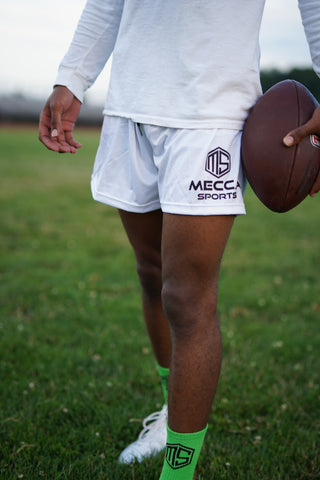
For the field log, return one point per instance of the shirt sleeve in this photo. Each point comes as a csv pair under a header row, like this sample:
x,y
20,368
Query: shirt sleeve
x,y
91,46
310,14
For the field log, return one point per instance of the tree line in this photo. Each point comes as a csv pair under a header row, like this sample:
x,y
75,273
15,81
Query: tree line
x,y
306,76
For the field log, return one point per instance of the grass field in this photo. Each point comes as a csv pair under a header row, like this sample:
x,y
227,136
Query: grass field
x,y
76,367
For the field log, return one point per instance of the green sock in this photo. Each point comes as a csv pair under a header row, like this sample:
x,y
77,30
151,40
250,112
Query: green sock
x,y
182,453
164,377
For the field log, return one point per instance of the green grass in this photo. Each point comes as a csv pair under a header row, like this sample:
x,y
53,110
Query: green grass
x,y
76,367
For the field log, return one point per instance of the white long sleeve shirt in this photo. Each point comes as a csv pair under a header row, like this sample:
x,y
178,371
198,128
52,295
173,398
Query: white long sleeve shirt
x,y
176,63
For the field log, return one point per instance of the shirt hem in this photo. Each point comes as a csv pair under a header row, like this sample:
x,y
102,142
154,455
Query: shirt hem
x,y
176,122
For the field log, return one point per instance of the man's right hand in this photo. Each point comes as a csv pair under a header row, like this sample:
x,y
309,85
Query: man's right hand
x,y
57,120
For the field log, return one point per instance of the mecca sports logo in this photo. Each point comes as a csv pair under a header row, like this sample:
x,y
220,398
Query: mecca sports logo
x,y
178,456
218,162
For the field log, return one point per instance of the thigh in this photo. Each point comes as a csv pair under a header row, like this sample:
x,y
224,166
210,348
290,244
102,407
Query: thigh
x,y
192,248
144,231
187,249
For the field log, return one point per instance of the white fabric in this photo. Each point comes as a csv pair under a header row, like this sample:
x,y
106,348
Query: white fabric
x,y
182,171
181,63
310,13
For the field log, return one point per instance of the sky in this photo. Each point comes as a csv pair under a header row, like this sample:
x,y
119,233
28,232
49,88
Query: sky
x,y
35,34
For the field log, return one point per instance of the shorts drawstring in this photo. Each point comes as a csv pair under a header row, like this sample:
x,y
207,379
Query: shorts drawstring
x,y
139,126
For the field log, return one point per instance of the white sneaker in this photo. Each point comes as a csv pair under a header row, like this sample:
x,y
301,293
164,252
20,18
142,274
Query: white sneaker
x,y
151,440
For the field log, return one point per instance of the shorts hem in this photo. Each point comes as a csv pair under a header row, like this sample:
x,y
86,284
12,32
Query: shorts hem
x,y
122,205
204,210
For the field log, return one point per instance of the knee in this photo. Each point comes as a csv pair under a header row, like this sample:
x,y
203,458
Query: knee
x,y
190,309
150,279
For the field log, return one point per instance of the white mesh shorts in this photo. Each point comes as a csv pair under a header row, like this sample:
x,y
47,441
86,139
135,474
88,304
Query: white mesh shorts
x,y
140,168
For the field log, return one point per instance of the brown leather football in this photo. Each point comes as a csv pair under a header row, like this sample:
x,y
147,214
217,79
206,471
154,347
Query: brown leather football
x,y
280,176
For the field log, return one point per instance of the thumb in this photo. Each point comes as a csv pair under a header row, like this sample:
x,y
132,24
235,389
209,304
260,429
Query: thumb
x,y
312,126
56,126
296,135
60,101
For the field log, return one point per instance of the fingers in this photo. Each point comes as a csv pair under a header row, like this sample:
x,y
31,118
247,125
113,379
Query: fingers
x,y
56,127
60,103
71,141
296,135
60,144
310,127
61,135
45,131
57,121
55,141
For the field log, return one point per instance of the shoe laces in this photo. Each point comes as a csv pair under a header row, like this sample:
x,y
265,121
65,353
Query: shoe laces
x,y
154,422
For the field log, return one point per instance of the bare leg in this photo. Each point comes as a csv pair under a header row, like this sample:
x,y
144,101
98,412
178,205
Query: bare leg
x,y
192,248
144,232
184,264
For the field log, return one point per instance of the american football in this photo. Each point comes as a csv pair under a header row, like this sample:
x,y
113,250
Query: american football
x,y
280,176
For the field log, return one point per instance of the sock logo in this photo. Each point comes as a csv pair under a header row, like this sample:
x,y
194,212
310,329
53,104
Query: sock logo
x,y
178,456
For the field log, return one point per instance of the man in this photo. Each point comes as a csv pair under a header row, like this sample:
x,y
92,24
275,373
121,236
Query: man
x,y
184,76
